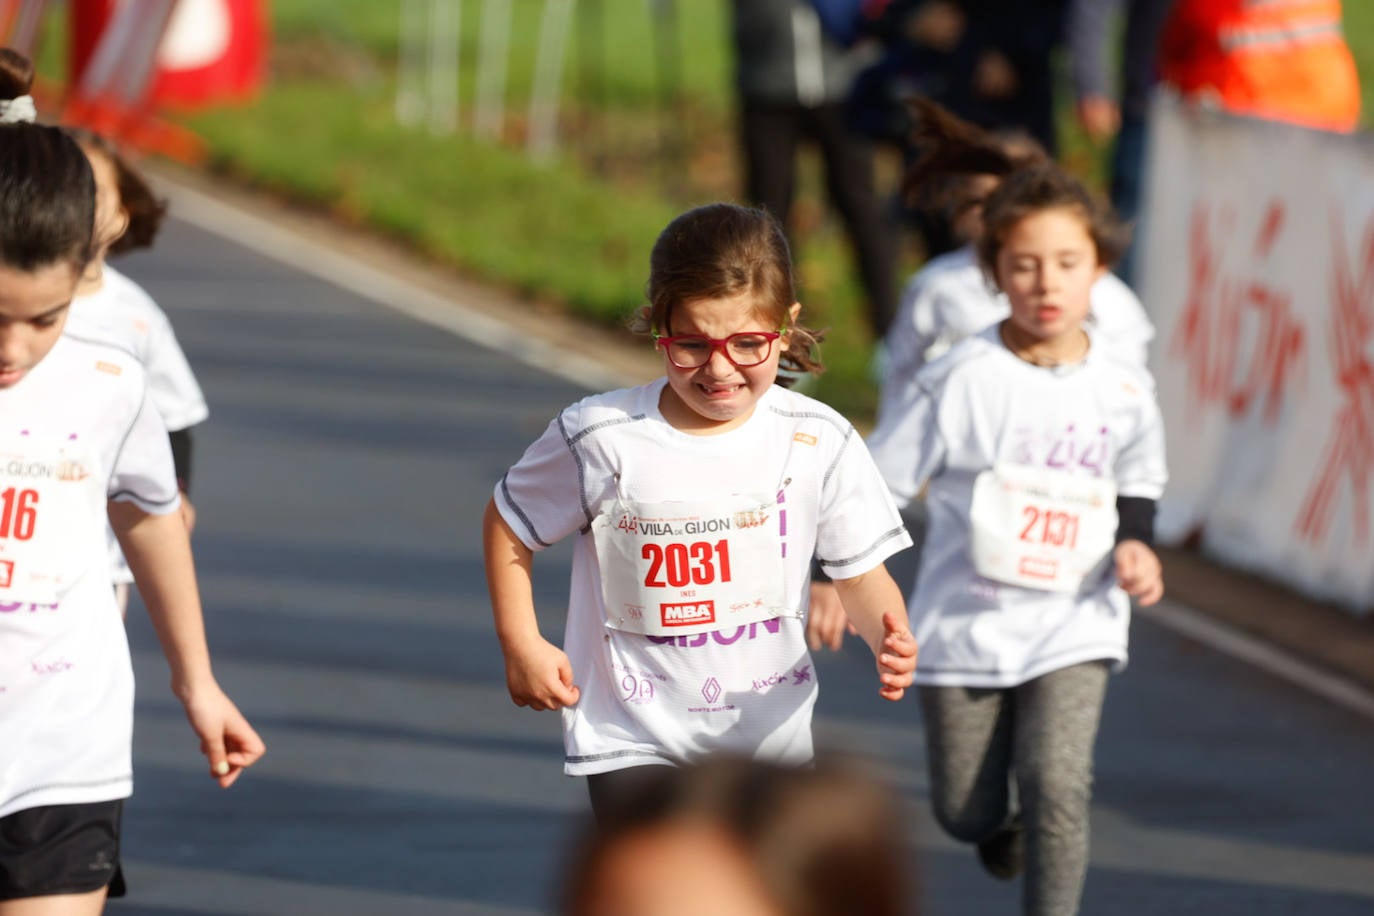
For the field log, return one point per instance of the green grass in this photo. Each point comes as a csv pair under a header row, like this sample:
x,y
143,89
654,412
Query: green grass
x,y
613,43
558,230
546,232
1359,34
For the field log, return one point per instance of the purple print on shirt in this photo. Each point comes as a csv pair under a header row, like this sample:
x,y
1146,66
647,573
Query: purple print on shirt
x,y
1063,449
720,637
711,690
8,607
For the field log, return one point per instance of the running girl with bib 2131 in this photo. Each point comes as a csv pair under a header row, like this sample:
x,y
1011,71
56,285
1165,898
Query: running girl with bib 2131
x,y
697,502
1043,451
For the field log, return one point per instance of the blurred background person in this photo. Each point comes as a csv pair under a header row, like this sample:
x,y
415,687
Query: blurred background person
x,y
1284,60
987,61
762,839
1003,75
950,297
1117,117
794,71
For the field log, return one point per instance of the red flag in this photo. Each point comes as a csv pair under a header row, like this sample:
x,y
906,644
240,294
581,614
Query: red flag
x,y
213,51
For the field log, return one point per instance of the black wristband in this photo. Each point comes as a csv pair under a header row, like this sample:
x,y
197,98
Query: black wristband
x,y
1135,519
817,573
181,457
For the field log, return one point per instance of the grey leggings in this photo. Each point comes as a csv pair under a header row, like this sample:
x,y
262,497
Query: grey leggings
x,y
1040,735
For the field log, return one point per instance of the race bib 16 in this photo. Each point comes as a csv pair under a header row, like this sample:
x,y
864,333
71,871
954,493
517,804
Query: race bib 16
x,y
48,512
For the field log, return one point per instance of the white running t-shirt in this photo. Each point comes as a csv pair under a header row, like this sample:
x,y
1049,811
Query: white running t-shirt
x,y
977,408
122,314
66,683
747,689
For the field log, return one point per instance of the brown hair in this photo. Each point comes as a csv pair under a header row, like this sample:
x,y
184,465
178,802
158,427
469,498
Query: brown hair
x,y
16,74
952,153
828,840
47,191
720,250
1047,187
146,210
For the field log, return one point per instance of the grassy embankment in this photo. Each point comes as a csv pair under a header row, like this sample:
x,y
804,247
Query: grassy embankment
x,y
575,232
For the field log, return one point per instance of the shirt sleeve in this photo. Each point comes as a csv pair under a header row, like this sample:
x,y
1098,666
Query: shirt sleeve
x,y
171,383
907,446
142,472
1120,316
540,497
1141,468
906,343
859,525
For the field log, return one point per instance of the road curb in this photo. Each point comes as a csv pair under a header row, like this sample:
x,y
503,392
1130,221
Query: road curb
x,y
1323,634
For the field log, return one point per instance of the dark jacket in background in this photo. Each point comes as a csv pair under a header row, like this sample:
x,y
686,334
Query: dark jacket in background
x,y
786,53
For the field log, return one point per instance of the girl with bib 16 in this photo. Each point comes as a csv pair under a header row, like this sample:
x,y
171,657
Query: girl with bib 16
x,y
1043,453
80,444
697,501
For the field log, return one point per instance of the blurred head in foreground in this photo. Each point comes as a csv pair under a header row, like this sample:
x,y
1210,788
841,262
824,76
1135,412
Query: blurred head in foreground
x,y
735,837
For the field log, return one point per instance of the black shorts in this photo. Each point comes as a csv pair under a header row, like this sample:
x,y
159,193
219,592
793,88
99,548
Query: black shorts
x,y
61,849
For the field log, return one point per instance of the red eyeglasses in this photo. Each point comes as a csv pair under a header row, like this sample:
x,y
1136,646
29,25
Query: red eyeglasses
x,y
692,351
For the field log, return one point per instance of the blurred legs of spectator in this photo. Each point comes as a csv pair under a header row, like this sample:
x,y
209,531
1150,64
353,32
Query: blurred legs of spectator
x,y
990,62
1003,72
1128,177
1091,29
772,137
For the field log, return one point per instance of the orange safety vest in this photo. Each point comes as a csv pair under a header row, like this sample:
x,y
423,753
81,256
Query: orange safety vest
x,y
1285,60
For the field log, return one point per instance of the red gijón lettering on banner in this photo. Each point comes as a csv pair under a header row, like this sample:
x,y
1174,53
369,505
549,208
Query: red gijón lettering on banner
x,y
1239,336
1349,456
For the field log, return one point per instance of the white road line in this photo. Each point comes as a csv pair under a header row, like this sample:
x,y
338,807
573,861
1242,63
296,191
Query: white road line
x,y
292,249
1263,655
287,247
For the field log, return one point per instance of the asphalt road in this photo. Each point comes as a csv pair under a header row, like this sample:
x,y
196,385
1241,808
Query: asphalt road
x,y
340,482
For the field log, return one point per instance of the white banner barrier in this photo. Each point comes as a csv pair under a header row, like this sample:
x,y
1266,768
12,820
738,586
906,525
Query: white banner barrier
x,y
1257,266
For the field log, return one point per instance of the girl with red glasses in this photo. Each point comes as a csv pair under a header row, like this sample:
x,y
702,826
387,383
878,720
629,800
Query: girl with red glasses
x,y
697,502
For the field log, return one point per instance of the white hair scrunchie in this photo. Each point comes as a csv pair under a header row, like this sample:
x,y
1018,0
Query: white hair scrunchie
x,y
17,111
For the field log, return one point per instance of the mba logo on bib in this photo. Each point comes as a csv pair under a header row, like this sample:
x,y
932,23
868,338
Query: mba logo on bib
x,y
1039,568
687,614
